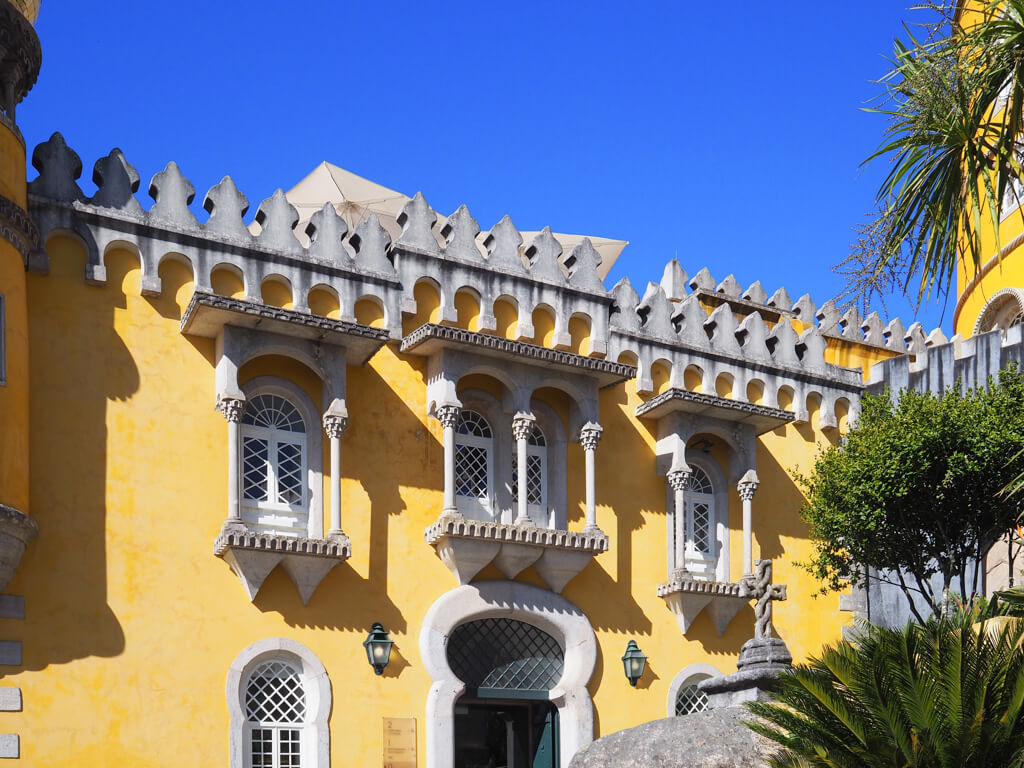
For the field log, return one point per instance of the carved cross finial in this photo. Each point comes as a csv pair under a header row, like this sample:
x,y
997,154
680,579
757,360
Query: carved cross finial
x,y
583,262
117,182
173,194
760,587
59,166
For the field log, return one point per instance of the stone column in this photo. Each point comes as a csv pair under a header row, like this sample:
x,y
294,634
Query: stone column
x,y
679,480
590,436
522,428
747,487
232,408
335,426
448,415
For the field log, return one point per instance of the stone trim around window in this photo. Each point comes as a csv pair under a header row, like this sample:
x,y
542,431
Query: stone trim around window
x,y
513,600
316,737
684,677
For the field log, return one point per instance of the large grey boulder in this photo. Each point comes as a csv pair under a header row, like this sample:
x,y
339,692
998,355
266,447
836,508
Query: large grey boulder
x,y
715,738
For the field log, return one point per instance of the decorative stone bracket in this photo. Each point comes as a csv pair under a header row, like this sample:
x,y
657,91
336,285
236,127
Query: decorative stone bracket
x,y
686,598
252,556
466,546
16,530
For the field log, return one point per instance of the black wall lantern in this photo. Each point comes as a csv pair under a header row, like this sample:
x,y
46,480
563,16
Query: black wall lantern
x,y
378,648
634,662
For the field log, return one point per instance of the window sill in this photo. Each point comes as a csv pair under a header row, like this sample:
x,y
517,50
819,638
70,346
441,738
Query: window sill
x,y
467,546
687,597
252,555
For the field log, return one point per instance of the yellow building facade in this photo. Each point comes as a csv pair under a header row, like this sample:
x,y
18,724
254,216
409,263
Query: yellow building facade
x,y
245,446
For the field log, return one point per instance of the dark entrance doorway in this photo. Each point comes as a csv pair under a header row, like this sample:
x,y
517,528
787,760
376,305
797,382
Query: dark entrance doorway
x,y
506,733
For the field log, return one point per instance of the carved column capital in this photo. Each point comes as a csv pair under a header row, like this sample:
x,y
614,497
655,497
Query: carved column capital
x,y
590,436
232,408
335,425
679,479
522,426
448,415
747,489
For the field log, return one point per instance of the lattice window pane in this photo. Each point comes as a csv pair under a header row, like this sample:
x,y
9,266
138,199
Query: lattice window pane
x,y
471,471
690,699
289,473
290,748
254,468
534,480
472,423
273,412
261,748
275,695
505,654
702,526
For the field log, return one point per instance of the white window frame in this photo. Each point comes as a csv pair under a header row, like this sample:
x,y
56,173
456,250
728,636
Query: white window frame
x,y
477,507
312,525
705,565
689,675
274,514
699,560
275,728
315,739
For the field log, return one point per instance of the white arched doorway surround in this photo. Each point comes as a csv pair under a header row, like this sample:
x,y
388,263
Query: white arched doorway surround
x,y
523,602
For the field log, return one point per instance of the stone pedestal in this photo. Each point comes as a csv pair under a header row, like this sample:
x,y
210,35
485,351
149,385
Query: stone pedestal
x,y
757,671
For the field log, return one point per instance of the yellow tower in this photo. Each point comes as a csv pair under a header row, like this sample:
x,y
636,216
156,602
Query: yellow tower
x,y
20,58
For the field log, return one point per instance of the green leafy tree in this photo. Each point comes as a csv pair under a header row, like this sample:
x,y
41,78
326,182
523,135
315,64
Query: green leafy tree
x,y
914,489
946,694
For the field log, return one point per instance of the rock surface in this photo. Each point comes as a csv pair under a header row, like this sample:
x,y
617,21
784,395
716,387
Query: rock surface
x,y
715,738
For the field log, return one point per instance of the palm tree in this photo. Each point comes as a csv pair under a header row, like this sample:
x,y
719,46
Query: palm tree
x,y
946,694
954,102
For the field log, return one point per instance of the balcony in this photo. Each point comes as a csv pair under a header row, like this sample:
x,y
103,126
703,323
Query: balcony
x,y
467,546
687,597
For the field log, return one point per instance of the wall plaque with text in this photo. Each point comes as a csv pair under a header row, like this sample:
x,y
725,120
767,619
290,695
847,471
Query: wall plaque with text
x,y
399,742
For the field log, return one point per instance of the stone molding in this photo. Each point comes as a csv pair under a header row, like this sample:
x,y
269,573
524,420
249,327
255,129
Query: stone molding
x,y
316,737
253,555
335,425
231,408
747,489
590,436
524,350
508,599
688,597
16,530
679,479
522,426
467,546
17,228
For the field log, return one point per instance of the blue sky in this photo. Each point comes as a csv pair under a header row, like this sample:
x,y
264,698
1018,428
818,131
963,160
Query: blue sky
x,y
725,135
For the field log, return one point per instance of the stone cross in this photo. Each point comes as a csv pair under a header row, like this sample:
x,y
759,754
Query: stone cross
x,y
760,587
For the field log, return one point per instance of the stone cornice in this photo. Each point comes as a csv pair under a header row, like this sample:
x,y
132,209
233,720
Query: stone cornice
x,y
17,228
580,541
698,587
610,371
763,417
337,548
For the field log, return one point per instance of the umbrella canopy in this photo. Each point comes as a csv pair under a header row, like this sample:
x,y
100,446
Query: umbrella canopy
x,y
355,198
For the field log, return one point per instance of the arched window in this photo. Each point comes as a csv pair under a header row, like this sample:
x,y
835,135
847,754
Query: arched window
x,y
690,698
700,512
275,714
474,466
536,477
279,700
274,493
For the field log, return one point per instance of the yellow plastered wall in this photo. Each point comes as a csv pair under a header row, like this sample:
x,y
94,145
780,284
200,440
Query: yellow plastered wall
x,y
14,389
132,623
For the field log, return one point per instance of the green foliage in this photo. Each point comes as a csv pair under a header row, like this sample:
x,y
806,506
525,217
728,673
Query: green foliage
x,y
954,101
948,694
915,488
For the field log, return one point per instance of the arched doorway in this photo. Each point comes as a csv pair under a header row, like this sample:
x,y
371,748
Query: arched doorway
x,y
510,664
504,718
